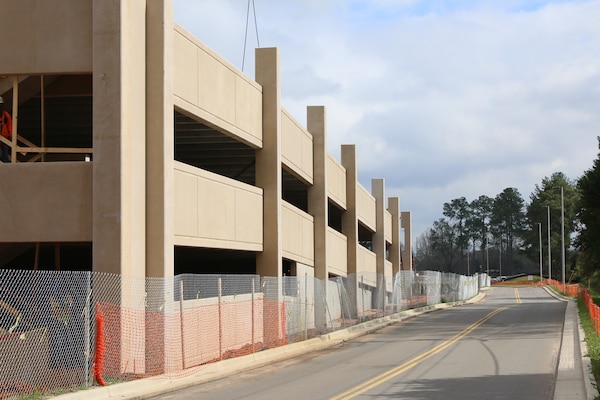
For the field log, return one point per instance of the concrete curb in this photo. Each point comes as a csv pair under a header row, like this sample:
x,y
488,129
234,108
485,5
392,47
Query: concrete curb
x,y
591,392
586,364
154,386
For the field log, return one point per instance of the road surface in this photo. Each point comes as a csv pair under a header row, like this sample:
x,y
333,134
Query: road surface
x,y
505,347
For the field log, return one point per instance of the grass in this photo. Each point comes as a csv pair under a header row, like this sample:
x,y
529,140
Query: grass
x,y
591,338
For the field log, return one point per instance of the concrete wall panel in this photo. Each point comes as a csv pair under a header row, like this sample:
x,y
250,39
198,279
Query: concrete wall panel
x,y
388,226
336,182
366,207
186,76
337,257
50,202
367,266
186,204
296,147
211,88
215,211
297,234
46,36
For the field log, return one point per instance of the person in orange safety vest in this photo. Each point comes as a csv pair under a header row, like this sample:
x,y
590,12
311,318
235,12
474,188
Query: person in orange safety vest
x,y
5,130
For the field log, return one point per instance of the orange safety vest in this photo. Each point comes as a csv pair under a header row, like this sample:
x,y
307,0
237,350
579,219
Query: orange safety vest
x,y
6,125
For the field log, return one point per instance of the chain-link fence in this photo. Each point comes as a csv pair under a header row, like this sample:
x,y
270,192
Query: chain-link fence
x,y
55,325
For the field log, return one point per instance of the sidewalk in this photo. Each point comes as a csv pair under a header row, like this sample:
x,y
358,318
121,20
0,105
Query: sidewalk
x,y
572,382
574,374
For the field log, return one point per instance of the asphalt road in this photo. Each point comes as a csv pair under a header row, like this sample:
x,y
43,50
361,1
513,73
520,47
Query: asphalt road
x,y
505,347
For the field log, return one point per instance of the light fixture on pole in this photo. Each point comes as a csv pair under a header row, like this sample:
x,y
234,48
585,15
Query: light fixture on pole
x,y
539,224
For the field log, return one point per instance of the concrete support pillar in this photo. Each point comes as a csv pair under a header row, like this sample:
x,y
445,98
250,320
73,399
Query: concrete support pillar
x,y
268,177
395,249
119,165
119,84
350,221
407,260
160,183
318,205
317,193
160,140
378,191
268,162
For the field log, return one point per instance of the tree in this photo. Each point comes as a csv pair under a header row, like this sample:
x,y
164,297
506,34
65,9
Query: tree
x,y
443,242
548,194
426,258
508,221
478,223
458,211
588,241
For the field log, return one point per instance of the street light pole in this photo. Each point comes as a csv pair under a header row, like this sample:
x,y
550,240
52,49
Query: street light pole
x,y
500,258
539,224
468,265
487,259
562,222
549,251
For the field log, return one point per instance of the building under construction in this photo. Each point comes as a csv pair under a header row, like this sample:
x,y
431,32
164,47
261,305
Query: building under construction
x,y
138,151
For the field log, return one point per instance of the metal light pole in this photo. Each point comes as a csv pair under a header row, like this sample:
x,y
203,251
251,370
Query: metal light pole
x,y
549,252
500,258
539,224
562,222
468,264
487,259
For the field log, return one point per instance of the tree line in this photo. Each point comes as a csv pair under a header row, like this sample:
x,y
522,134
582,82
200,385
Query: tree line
x,y
502,234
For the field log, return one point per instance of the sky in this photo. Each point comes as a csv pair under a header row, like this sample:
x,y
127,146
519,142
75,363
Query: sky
x,y
443,98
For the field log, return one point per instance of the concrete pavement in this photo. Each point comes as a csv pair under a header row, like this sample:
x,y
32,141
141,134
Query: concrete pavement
x,y
574,374
573,379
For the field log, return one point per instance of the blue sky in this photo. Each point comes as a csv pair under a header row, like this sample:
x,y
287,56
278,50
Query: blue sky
x,y
442,98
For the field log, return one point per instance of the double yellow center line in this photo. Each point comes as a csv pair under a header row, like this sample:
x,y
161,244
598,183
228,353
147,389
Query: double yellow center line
x,y
378,380
517,296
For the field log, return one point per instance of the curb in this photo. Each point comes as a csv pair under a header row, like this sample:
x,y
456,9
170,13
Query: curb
x,y
586,364
591,392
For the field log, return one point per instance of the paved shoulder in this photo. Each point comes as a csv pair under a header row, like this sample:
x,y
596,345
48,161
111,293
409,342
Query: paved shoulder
x,y
574,374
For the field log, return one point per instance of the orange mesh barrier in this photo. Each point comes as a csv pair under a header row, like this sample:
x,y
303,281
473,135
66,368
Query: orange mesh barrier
x,y
571,290
99,354
593,309
175,342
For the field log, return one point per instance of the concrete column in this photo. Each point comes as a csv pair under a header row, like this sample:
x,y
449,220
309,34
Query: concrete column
x,y
350,222
318,206
160,186
119,134
407,253
396,247
268,177
378,191
268,162
160,140
119,165
350,216
317,193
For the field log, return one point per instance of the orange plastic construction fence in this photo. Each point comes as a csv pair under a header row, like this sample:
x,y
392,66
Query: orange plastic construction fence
x,y
99,353
593,309
571,290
